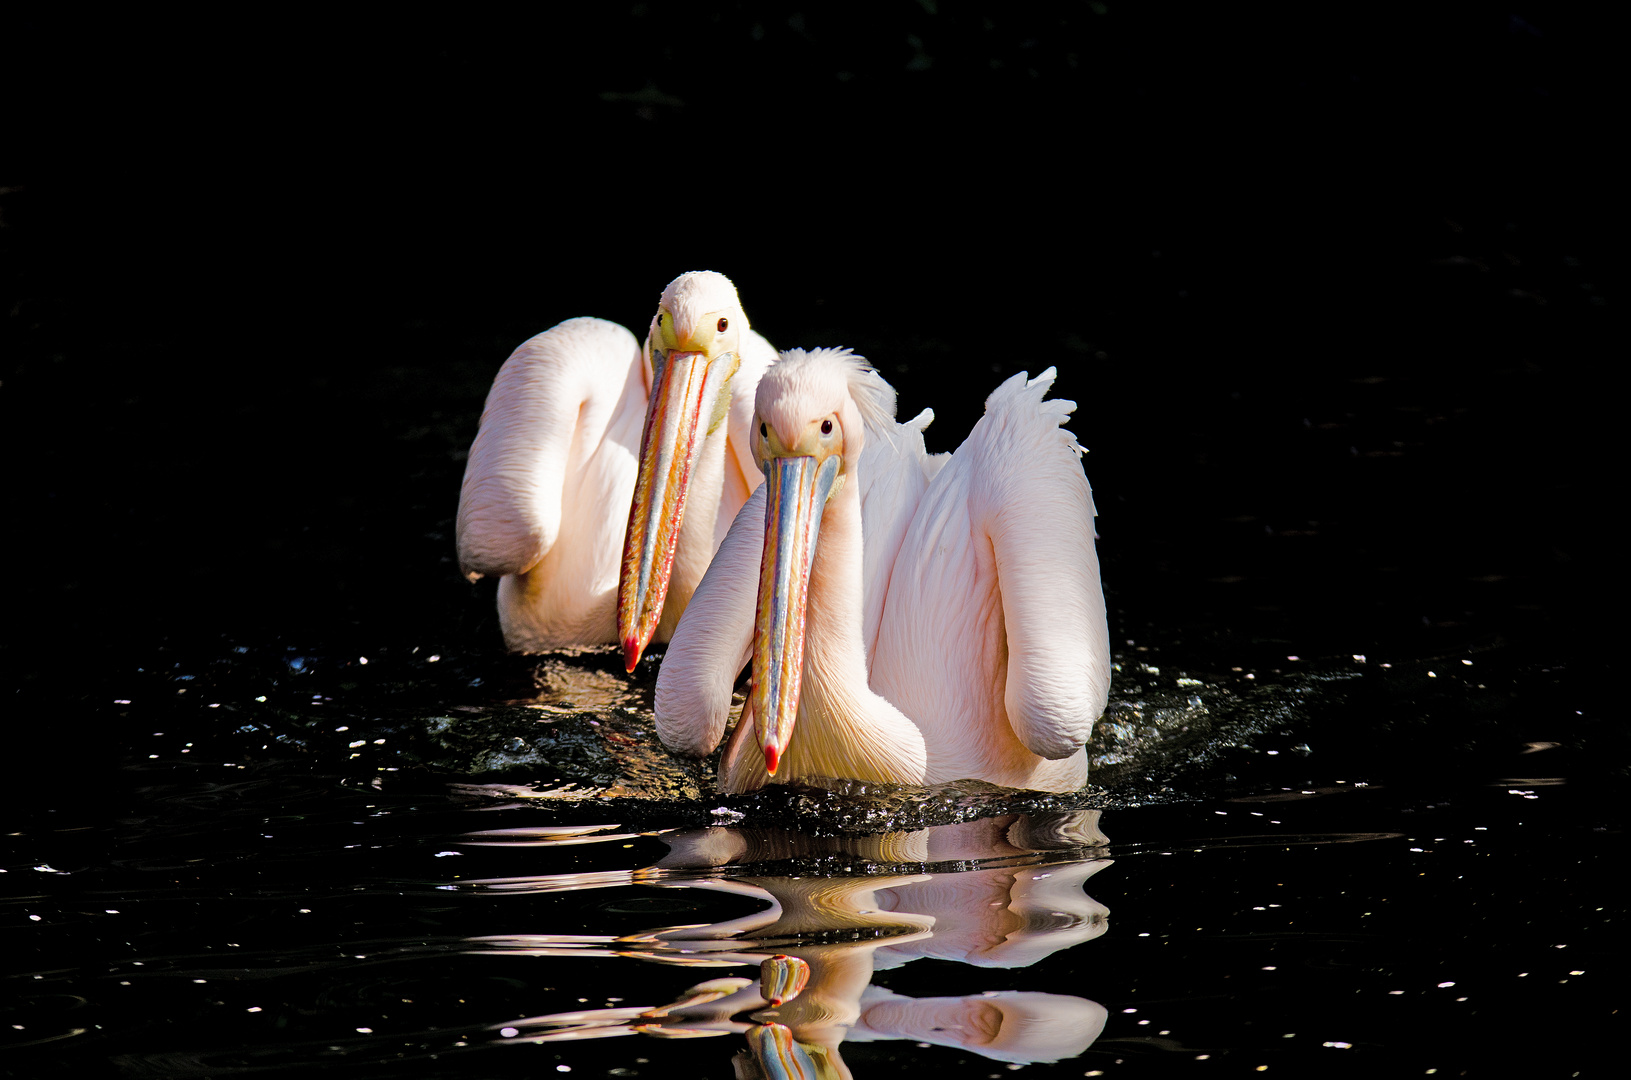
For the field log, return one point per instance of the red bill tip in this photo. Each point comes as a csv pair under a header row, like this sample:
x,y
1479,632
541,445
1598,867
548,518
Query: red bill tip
x,y
631,654
773,758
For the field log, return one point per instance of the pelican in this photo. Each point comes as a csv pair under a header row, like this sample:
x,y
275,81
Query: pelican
x,y
979,647
572,427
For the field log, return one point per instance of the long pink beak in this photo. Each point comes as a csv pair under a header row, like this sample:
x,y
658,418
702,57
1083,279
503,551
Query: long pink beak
x,y
796,490
686,384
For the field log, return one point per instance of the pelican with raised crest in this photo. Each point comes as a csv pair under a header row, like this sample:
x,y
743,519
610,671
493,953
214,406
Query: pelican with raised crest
x,y
979,648
579,419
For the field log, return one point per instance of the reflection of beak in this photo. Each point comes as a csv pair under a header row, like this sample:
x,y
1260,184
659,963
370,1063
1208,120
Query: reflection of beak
x,y
676,423
778,1054
782,978
796,490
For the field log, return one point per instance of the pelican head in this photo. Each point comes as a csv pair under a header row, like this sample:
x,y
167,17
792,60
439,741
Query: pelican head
x,y
809,429
693,348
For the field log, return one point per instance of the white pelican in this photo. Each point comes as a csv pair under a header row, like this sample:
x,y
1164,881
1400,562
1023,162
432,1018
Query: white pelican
x,y
980,649
555,464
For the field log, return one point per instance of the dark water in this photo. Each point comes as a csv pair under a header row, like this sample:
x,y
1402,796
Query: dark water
x,y
1334,297
338,877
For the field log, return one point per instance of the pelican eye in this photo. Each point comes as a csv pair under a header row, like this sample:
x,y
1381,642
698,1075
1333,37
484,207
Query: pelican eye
x,y
659,318
764,431
826,427
723,323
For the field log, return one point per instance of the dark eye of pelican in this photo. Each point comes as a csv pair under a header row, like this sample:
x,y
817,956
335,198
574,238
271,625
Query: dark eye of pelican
x,y
659,318
764,431
723,323
826,427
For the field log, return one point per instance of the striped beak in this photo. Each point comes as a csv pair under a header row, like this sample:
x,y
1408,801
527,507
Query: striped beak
x,y
779,1055
796,490
686,386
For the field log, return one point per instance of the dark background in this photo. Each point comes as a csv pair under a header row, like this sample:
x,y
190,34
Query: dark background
x,y
1334,289
1337,290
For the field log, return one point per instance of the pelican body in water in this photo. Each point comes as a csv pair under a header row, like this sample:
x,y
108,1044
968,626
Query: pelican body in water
x,y
579,418
979,648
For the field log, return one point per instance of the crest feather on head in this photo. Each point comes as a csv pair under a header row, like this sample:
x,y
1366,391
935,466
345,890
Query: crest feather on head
x,y
816,382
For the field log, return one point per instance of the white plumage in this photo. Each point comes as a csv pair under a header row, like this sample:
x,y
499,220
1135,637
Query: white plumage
x,y
547,488
965,637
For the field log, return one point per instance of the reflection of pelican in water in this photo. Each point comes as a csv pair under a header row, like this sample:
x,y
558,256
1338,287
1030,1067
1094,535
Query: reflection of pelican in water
x,y
987,655
1022,901
579,417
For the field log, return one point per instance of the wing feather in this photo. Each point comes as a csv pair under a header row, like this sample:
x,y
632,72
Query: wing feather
x,y
893,475
1036,507
553,398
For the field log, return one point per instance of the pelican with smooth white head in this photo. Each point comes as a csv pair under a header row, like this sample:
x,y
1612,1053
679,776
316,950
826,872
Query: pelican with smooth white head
x,y
581,417
980,649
